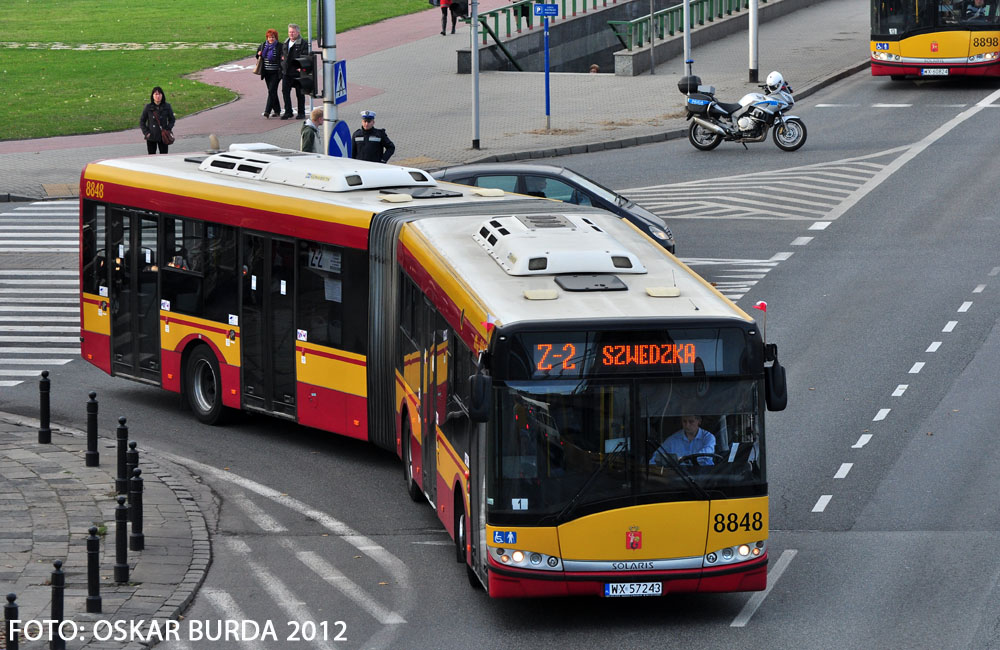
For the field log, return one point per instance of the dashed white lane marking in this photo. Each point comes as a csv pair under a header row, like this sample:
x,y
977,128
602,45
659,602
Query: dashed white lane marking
x,y
822,502
900,390
891,105
965,306
881,415
781,257
933,347
339,581
772,578
862,441
979,288
226,604
819,225
257,514
844,469
994,271
917,367
801,241
950,326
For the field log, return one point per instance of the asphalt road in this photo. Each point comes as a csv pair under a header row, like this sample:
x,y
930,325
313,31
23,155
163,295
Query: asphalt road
x,y
882,471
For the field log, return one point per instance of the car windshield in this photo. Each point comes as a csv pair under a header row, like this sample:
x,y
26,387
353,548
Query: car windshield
x,y
563,449
596,188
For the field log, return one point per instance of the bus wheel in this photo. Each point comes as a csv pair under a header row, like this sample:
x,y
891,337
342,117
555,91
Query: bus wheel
x,y
460,542
203,385
411,485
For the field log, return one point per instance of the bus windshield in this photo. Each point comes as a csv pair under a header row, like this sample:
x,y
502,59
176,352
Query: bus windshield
x,y
563,449
900,17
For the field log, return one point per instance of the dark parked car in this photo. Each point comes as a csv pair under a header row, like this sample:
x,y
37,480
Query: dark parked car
x,y
559,183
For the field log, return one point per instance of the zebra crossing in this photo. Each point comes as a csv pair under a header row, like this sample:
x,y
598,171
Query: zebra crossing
x,y
39,307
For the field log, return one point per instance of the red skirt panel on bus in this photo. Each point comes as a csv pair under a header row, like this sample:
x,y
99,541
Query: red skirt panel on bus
x,y
452,475
332,410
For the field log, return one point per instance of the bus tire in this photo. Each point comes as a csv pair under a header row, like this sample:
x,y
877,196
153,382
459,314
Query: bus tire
x,y
203,386
460,534
411,484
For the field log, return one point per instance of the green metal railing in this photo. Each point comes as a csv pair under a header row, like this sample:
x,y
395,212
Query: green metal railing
x,y
636,32
518,15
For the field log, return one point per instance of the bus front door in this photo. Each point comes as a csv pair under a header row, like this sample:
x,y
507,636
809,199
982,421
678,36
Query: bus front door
x,y
267,324
134,302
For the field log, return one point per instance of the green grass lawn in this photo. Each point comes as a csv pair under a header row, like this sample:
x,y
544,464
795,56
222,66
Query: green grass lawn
x,y
70,92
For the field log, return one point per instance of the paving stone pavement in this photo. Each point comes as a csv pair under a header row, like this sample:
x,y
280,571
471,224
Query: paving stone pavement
x,y
48,501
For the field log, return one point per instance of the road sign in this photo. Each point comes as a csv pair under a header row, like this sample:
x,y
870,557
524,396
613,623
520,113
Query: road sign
x,y
340,140
340,82
546,9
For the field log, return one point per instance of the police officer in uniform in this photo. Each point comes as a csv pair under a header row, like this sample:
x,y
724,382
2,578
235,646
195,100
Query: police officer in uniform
x,y
370,143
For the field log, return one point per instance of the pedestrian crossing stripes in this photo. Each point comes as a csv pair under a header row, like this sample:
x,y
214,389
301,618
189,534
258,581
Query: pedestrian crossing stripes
x,y
733,278
41,227
809,192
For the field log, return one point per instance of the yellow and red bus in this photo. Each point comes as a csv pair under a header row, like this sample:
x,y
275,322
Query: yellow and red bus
x,y
529,361
935,38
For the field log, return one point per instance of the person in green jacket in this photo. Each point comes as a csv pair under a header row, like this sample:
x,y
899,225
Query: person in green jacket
x,y
312,141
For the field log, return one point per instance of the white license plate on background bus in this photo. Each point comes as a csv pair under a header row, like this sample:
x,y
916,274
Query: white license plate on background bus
x,y
624,589
934,72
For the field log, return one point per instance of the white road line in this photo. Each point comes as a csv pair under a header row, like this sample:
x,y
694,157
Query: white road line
x,y
801,241
900,390
758,598
994,271
346,586
27,372
47,319
917,367
862,441
881,415
950,326
71,274
822,502
9,249
891,105
965,306
979,288
25,227
844,469
10,384
226,604
256,513
73,352
39,328
43,242
285,598
28,362
435,543
820,225
20,282
39,339
780,257
933,347
61,310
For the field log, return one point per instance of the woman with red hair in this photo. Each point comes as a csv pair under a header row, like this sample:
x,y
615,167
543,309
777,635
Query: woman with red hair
x,y
269,54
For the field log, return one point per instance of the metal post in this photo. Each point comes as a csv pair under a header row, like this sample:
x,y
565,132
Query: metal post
x,y
474,39
687,30
93,572
329,47
652,39
753,41
58,587
136,541
121,433
10,615
44,432
309,41
548,123
121,541
92,457
131,462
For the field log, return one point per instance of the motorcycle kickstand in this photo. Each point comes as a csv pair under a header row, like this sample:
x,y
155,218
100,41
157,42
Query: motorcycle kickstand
x,y
745,146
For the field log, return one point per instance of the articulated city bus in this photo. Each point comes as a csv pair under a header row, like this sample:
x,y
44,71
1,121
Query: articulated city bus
x,y
935,38
530,361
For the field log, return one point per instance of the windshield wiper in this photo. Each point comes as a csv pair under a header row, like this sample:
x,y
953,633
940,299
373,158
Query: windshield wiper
x,y
619,448
676,466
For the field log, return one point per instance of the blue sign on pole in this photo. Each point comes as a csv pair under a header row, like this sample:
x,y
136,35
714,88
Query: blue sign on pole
x,y
340,140
546,9
339,82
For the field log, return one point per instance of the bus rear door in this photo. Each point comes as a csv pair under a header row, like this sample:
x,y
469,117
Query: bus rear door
x,y
134,301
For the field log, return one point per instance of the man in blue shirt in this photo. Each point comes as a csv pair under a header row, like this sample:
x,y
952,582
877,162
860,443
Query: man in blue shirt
x,y
691,439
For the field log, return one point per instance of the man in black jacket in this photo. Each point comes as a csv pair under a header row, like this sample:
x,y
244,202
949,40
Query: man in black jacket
x,y
291,49
370,143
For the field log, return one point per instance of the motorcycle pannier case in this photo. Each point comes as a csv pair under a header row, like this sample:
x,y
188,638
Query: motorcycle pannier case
x,y
698,103
689,84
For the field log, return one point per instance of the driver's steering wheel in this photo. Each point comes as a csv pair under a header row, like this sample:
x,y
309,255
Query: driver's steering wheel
x,y
690,459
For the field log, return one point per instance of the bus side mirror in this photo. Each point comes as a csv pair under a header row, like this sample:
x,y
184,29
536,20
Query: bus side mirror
x,y
775,387
481,397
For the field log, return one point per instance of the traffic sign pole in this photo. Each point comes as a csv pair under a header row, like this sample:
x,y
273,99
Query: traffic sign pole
x,y
546,10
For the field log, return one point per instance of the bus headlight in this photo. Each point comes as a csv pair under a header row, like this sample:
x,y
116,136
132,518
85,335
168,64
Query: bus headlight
x,y
526,559
735,554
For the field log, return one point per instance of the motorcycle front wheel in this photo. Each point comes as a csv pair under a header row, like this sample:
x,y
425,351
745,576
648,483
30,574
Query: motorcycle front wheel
x,y
790,134
702,138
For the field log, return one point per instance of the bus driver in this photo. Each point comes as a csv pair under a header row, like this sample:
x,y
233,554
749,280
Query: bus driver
x,y
977,9
691,439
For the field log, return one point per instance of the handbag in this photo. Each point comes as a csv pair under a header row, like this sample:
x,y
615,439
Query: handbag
x,y
166,137
257,67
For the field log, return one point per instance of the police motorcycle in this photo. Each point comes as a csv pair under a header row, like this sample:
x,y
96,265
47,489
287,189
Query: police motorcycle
x,y
748,121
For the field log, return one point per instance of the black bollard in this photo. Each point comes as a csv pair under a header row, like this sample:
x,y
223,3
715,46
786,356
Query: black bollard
x,y
93,572
44,432
121,541
92,457
9,615
131,462
121,483
136,541
58,587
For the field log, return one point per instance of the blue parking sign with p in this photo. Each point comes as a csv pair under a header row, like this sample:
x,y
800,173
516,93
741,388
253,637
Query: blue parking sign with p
x,y
546,9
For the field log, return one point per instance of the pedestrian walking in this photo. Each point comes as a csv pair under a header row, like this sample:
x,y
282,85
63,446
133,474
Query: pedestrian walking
x,y
157,122
292,49
310,140
269,56
370,143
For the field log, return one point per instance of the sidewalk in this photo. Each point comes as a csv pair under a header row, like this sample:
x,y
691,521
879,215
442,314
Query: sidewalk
x,y
48,501
405,71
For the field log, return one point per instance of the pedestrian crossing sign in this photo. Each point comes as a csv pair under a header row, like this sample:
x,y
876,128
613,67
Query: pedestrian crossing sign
x,y
340,82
